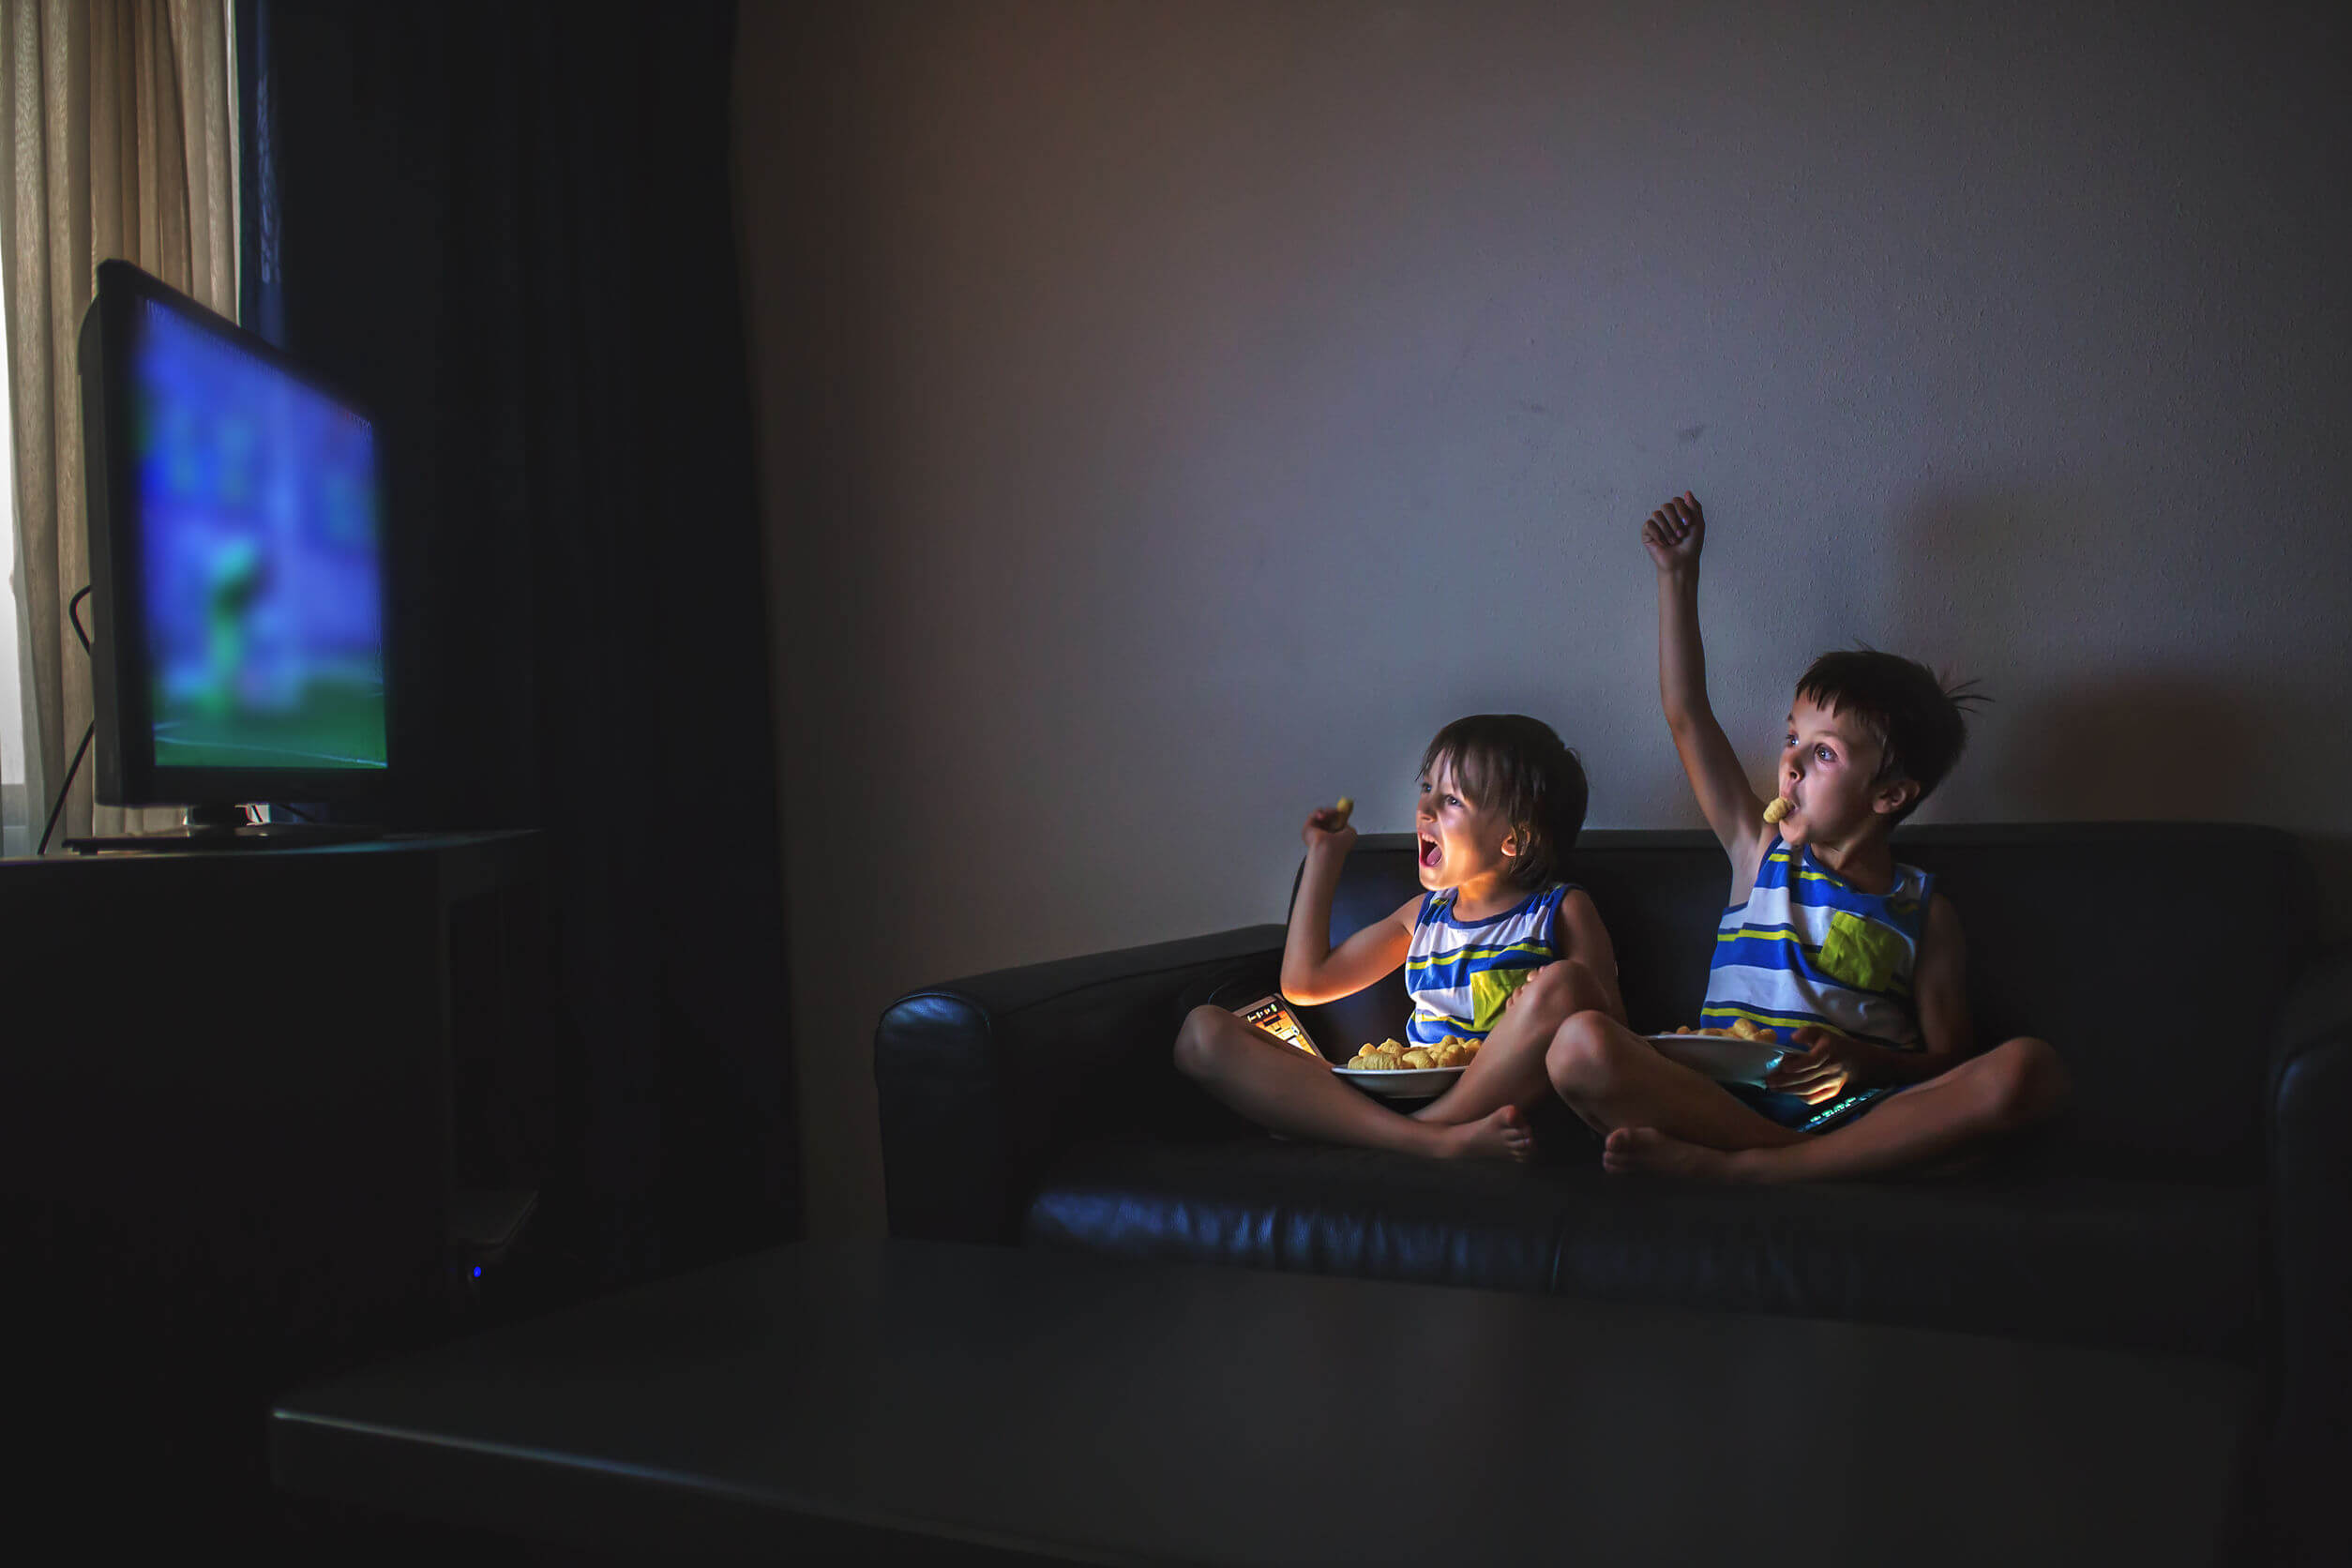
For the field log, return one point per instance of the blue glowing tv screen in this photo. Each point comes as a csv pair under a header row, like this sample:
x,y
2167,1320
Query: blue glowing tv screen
x,y
243,574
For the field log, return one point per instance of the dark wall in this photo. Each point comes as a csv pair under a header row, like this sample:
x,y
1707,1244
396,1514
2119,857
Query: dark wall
x,y
507,229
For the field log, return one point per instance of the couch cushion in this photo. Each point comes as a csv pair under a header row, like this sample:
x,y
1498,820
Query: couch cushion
x,y
2088,1259
2042,1255
2154,955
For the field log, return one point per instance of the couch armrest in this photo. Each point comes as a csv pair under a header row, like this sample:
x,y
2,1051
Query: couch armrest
x,y
983,1081
2311,1172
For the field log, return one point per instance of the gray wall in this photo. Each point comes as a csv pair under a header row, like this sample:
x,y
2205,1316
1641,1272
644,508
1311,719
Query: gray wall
x,y
1171,414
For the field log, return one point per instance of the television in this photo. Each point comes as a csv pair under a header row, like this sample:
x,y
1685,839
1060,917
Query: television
x,y
237,572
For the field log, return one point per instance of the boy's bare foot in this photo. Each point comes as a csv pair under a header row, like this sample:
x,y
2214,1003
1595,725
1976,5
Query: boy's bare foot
x,y
1647,1149
1504,1135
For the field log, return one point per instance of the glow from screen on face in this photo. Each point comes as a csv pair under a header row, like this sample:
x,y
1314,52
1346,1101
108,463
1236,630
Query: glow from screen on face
x,y
262,558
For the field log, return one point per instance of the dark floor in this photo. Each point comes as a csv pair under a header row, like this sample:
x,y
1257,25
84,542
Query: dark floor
x,y
127,1471
151,1439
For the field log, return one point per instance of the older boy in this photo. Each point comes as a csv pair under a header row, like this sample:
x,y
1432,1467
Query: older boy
x,y
1828,940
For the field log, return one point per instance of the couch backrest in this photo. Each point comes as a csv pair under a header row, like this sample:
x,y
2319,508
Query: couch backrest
x,y
2152,954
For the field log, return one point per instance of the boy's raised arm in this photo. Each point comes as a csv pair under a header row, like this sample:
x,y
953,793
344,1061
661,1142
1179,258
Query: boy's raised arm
x,y
1673,536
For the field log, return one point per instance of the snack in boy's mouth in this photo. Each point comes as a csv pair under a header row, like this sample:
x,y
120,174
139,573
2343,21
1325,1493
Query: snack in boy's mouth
x,y
1347,806
1779,810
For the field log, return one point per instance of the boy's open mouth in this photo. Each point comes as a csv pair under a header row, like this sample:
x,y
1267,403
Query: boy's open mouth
x,y
1430,853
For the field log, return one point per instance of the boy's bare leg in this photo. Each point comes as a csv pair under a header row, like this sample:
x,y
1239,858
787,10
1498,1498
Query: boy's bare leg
x,y
1280,1087
1614,1079
1508,1069
2012,1086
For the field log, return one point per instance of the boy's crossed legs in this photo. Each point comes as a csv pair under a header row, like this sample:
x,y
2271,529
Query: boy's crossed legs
x,y
1659,1115
1484,1112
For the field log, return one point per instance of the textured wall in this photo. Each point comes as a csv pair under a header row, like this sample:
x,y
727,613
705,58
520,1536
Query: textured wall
x,y
1171,414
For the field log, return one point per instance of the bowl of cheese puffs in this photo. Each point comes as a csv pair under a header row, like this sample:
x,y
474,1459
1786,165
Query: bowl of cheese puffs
x,y
1395,1071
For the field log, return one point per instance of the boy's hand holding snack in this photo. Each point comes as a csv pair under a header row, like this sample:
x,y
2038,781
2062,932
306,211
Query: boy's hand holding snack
x,y
1825,1064
1328,825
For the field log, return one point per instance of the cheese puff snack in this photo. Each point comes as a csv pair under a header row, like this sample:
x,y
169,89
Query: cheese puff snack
x,y
1740,1030
1395,1056
1390,1055
1778,811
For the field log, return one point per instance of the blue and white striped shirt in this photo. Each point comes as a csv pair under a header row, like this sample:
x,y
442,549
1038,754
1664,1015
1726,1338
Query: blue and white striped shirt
x,y
1461,971
1808,947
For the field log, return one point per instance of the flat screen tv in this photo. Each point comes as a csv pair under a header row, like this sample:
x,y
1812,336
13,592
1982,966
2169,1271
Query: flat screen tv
x,y
236,564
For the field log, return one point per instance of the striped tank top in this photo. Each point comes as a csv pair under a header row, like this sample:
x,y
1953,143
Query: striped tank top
x,y
1808,947
1460,972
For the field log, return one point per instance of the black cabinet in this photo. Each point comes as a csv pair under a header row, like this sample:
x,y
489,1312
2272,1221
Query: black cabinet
x,y
238,1092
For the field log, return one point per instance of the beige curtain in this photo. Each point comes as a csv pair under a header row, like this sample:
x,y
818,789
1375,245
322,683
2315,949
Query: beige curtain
x,y
122,123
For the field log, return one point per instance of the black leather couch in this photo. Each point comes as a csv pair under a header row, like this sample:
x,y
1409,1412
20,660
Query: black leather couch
x,y
2196,1198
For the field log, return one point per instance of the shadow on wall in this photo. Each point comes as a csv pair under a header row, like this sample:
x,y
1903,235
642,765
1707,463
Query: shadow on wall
x,y
2167,746
1987,572
2139,746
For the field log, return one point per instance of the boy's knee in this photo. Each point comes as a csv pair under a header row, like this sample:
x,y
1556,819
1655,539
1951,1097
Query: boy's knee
x,y
1557,989
1197,1040
2024,1081
1567,988
1583,1058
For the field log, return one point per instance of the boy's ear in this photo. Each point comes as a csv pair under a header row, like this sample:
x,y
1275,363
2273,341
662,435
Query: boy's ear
x,y
1894,795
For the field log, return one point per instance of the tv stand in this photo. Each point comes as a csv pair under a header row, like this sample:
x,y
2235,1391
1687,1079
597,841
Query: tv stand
x,y
224,827
255,1110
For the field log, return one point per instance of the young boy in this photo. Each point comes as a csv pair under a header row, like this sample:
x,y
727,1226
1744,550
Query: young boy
x,y
1498,949
1827,936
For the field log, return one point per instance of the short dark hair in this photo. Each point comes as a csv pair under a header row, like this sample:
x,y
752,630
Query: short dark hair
x,y
1917,721
1518,766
